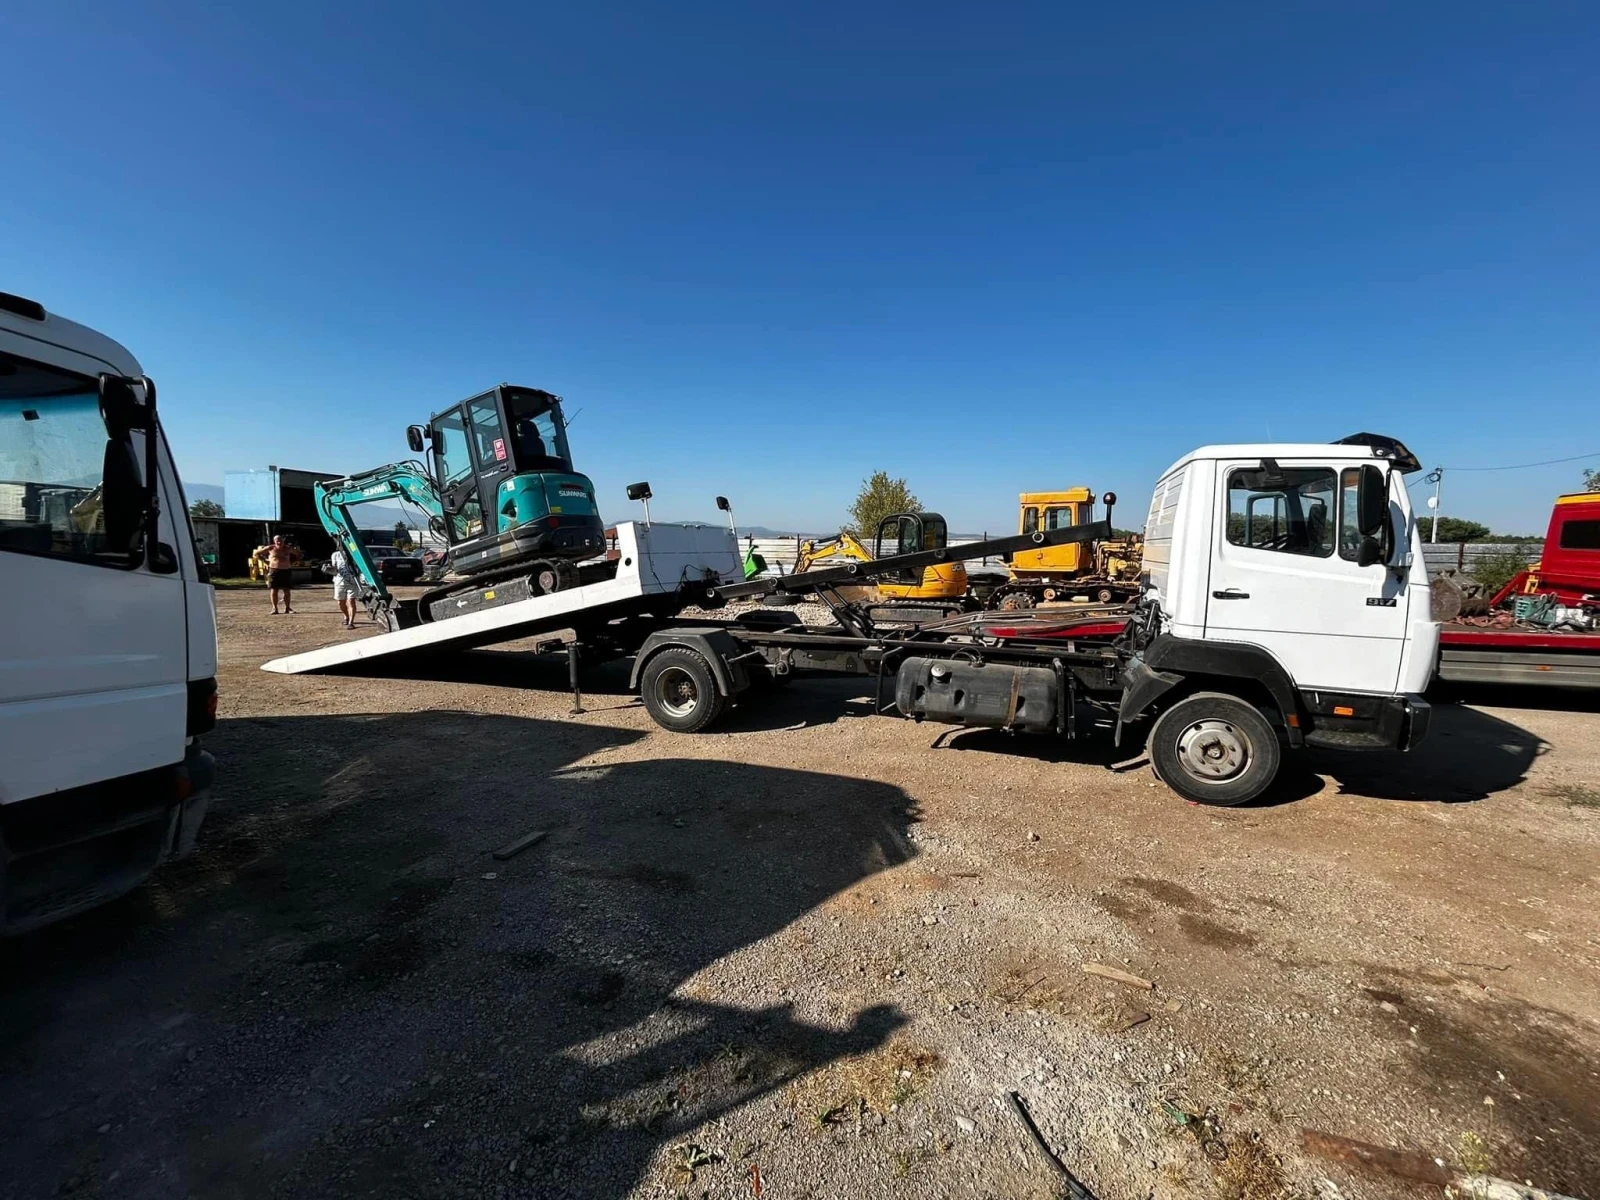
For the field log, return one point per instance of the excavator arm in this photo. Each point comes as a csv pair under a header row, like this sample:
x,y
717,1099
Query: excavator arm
x,y
845,545
397,481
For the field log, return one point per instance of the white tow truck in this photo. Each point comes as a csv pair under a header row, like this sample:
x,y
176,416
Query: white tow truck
x,y
108,649
1284,604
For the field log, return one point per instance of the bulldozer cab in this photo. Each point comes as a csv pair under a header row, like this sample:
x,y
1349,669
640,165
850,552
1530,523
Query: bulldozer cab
x,y
1051,511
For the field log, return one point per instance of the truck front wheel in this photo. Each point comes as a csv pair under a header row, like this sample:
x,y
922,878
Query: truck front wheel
x,y
1214,748
679,691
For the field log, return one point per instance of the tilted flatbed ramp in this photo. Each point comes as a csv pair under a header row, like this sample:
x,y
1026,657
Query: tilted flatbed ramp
x,y
657,560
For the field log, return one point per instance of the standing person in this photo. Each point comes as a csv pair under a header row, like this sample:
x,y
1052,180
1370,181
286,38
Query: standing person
x,y
346,586
279,559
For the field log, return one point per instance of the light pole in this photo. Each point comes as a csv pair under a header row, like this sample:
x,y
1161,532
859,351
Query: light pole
x,y
1435,477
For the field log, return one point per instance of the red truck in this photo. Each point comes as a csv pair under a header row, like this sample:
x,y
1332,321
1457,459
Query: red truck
x,y
1542,628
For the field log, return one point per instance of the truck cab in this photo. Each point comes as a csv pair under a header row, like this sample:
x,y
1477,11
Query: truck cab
x,y
108,654
1294,571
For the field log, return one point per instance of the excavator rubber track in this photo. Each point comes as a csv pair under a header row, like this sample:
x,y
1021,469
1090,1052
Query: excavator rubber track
x,y
506,586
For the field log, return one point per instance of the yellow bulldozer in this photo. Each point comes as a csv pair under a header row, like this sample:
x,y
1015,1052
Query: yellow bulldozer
x,y
941,587
1105,571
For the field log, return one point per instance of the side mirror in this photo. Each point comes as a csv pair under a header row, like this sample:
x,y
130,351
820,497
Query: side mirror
x,y
1370,552
1372,501
414,438
722,503
119,407
164,559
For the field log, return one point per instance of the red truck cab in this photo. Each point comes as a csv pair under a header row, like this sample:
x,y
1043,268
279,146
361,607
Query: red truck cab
x,y
1569,566
1502,648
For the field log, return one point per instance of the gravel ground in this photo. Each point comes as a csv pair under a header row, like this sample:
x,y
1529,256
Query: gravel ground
x,y
805,956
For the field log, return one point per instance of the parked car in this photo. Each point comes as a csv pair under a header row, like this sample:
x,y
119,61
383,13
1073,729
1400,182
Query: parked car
x,y
395,566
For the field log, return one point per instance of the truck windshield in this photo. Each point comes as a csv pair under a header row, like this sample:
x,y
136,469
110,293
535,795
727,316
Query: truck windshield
x,y
538,432
53,454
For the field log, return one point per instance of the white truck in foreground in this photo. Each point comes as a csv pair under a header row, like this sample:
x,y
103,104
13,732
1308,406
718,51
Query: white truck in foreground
x,y
108,646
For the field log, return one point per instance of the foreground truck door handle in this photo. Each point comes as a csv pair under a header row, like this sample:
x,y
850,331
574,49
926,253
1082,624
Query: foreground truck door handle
x,y
1230,594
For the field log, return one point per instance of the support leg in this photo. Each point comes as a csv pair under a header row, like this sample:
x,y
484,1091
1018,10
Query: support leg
x,y
572,676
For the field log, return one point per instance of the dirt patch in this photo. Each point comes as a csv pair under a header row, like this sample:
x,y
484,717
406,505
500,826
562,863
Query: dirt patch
x,y
1118,906
651,878
1204,931
1250,1171
1575,795
1170,894
880,1081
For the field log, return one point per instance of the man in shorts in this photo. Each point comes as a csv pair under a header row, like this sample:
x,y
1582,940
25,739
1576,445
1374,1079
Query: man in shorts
x,y
346,586
279,560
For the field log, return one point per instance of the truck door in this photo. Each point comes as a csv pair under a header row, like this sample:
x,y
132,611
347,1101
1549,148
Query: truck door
x,y
1285,576
93,651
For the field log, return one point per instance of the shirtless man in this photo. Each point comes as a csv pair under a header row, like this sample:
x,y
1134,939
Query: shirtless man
x,y
279,560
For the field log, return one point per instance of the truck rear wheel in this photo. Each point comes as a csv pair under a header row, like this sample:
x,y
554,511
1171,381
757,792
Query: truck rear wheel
x,y
1213,748
679,691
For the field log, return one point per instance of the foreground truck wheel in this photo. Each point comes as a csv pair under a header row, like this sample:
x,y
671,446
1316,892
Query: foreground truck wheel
x,y
679,690
1215,749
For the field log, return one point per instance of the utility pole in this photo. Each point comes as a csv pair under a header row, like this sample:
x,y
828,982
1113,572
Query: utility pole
x,y
1435,477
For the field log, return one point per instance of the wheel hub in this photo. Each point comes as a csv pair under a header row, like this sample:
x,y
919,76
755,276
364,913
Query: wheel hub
x,y
1213,750
676,691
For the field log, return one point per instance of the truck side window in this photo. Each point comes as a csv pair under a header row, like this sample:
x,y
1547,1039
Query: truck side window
x,y
1058,518
1290,512
1580,535
56,498
1030,520
1349,528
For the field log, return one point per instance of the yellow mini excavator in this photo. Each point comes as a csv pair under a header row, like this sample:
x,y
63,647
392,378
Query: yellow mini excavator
x,y
940,588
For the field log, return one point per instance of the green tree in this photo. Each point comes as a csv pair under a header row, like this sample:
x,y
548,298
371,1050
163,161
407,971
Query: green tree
x,y
1591,481
1496,570
1454,529
880,496
205,508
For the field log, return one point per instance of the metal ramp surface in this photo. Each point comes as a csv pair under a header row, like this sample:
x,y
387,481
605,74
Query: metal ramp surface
x,y
654,560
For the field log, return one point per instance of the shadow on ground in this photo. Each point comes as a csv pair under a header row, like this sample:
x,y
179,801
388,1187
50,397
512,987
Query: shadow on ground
x,y
1467,755
344,993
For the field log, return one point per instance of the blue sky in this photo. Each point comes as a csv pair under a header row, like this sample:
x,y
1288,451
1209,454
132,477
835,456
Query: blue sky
x,y
768,249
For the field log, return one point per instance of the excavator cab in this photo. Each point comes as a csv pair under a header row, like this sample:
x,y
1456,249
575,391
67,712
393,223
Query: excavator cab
x,y
503,471
908,533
